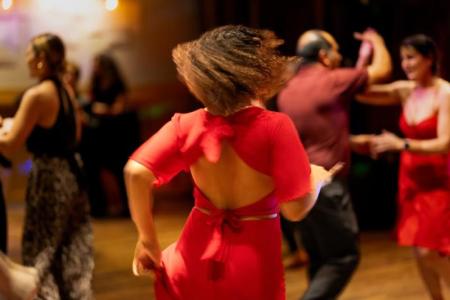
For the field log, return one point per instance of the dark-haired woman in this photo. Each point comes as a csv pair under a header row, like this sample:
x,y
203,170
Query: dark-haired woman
x,y
57,237
110,120
246,163
424,178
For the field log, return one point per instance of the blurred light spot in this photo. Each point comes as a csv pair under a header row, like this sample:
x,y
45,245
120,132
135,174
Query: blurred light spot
x,y
360,169
25,167
7,4
111,4
58,7
155,112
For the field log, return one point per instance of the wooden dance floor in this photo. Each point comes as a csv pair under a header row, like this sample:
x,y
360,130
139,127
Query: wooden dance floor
x,y
386,272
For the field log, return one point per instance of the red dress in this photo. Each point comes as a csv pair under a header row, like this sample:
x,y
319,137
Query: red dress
x,y
228,254
424,193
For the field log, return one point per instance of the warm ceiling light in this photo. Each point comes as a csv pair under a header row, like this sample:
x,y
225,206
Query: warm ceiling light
x,y
111,4
6,4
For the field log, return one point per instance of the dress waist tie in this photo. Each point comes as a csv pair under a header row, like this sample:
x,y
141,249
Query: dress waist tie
x,y
223,221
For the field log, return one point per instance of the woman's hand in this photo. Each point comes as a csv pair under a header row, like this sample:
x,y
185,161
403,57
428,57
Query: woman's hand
x,y
387,141
322,177
360,143
147,257
298,209
5,125
369,35
100,109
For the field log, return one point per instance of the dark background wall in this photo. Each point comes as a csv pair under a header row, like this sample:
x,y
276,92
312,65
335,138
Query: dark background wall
x,y
393,19
373,183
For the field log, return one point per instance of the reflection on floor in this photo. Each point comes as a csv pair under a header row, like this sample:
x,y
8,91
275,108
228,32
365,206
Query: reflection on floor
x,y
386,271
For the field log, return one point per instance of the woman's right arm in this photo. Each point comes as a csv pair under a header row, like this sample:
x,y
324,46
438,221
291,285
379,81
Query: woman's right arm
x,y
139,181
385,94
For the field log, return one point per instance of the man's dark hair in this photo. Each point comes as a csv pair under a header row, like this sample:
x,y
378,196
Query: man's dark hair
x,y
310,52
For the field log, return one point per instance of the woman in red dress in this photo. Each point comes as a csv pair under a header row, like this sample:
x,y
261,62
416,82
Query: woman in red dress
x,y
424,179
246,162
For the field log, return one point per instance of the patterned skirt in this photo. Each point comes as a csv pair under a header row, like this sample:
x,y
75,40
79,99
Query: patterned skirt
x,y
57,237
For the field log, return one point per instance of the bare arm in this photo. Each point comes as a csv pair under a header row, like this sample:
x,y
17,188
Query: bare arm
x,y
25,119
297,209
385,94
360,143
381,66
139,181
441,144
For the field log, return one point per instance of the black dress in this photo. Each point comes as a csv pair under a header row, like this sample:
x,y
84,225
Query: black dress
x,y
57,237
107,143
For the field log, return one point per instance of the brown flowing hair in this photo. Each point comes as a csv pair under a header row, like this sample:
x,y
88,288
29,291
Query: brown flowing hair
x,y
229,66
53,49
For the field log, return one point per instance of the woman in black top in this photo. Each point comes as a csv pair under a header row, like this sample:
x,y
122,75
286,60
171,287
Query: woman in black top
x,y
110,120
57,237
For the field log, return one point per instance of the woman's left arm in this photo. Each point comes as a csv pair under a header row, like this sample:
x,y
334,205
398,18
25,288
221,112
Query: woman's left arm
x,y
441,144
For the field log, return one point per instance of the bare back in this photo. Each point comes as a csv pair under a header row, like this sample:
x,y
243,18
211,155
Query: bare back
x,y
39,107
49,102
230,183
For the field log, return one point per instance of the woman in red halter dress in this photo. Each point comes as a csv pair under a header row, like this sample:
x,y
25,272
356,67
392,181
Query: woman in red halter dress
x,y
247,163
424,176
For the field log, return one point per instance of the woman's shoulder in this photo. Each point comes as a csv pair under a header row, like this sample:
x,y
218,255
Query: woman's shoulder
x,y
403,88
444,87
444,92
34,94
41,90
188,117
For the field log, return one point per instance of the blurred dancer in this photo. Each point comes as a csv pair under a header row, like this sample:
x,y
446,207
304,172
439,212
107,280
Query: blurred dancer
x,y
57,237
230,247
71,76
424,177
110,120
317,100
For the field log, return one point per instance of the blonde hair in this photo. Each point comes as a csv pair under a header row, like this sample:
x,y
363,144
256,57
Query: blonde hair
x,y
52,47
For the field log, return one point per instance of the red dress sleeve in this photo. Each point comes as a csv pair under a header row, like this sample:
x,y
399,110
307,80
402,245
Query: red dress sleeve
x,y
160,153
290,165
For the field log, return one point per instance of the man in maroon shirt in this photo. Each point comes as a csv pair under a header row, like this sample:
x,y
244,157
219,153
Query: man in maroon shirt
x,y
317,100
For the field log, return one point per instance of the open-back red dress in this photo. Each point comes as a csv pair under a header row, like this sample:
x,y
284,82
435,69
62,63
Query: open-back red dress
x,y
228,254
424,192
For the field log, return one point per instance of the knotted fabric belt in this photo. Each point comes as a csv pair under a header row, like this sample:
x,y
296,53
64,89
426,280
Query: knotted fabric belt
x,y
224,222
